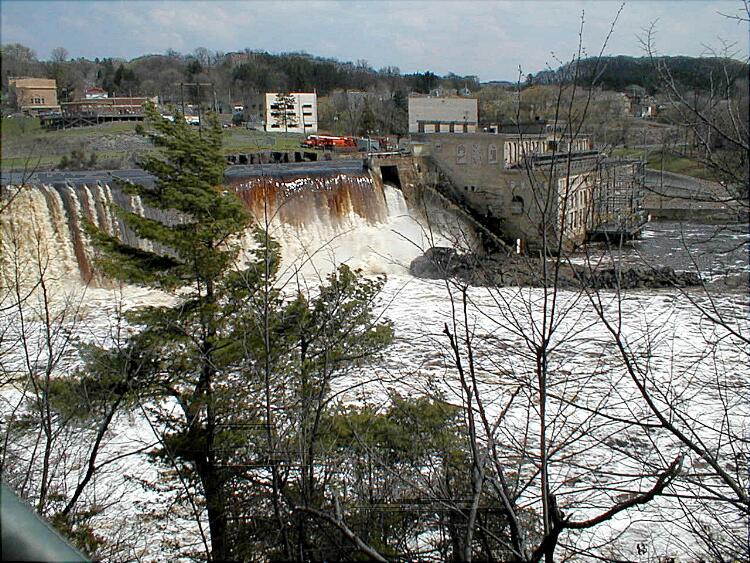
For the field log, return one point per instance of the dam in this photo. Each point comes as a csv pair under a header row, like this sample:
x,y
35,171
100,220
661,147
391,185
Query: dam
x,y
372,216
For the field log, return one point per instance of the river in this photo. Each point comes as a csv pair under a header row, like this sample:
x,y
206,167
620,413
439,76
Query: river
x,y
693,367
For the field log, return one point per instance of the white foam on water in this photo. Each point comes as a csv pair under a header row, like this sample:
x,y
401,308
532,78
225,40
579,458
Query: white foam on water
x,y
685,356
316,248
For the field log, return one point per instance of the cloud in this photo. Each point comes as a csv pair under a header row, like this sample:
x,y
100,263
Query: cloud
x,y
487,38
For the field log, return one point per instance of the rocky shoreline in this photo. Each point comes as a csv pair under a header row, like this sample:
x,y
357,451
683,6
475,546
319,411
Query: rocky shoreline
x,y
512,270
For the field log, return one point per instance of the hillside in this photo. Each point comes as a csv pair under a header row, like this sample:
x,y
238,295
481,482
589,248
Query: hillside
x,y
620,72
234,76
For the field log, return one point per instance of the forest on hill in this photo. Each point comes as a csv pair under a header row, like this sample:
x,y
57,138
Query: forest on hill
x,y
621,72
240,76
235,75
355,98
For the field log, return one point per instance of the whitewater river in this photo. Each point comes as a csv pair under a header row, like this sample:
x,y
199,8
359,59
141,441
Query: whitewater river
x,y
685,360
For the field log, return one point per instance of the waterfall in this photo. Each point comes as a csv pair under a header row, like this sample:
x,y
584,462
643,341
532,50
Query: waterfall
x,y
104,209
36,238
326,220
321,221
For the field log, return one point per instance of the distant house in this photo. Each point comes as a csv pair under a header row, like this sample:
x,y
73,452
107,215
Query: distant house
x,y
616,104
442,114
35,95
641,105
296,112
94,93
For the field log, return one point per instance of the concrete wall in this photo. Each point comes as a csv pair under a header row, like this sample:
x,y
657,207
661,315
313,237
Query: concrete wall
x,y
428,113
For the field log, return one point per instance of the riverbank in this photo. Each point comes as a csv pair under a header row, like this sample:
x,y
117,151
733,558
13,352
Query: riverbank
x,y
508,270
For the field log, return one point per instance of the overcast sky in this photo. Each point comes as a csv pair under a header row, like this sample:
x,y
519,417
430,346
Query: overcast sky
x,y
488,38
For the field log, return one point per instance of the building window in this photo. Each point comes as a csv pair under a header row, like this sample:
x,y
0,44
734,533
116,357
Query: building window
x,y
476,154
516,205
492,154
461,154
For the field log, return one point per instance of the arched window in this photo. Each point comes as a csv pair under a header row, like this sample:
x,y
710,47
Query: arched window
x,y
516,205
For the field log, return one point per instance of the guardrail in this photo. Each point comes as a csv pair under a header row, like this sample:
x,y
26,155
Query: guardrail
x,y
26,536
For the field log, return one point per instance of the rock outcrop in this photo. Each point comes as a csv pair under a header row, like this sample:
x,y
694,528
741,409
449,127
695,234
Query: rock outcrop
x,y
511,270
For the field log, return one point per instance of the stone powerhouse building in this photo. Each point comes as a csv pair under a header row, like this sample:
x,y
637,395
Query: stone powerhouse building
x,y
521,187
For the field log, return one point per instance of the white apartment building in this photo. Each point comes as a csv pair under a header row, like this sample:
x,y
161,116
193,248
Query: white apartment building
x,y
296,112
449,114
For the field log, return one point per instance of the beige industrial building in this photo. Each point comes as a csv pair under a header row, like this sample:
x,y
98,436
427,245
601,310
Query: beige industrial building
x,y
35,95
442,114
296,112
522,187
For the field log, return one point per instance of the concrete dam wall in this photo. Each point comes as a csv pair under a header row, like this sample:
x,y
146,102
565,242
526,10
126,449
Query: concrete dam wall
x,y
322,213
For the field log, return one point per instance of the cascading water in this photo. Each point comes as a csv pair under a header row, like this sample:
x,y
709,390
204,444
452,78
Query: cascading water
x,y
321,221
42,229
36,236
324,221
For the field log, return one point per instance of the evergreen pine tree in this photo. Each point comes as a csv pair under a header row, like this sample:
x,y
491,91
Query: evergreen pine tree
x,y
179,350
231,351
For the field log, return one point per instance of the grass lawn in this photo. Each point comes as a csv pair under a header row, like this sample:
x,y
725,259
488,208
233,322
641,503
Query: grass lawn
x,y
30,163
24,128
668,161
239,139
24,142
14,127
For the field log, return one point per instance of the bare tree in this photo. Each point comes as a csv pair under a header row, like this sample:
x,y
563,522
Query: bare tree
x,y
54,421
572,419
59,55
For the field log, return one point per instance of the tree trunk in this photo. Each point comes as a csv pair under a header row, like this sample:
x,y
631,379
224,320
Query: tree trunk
x,y
217,515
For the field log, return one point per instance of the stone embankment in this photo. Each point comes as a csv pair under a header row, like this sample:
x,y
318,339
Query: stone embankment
x,y
674,196
512,270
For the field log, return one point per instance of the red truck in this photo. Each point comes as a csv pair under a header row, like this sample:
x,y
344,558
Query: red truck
x,y
330,142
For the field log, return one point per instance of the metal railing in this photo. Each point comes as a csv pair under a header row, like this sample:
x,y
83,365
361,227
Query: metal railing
x,y
26,536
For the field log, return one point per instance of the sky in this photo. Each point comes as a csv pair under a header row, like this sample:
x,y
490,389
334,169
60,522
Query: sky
x,y
490,38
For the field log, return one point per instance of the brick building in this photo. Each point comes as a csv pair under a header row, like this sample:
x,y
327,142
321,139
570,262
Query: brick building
x,y
35,95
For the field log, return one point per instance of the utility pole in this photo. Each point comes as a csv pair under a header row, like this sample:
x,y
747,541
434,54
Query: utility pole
x,y
197,88
197,91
